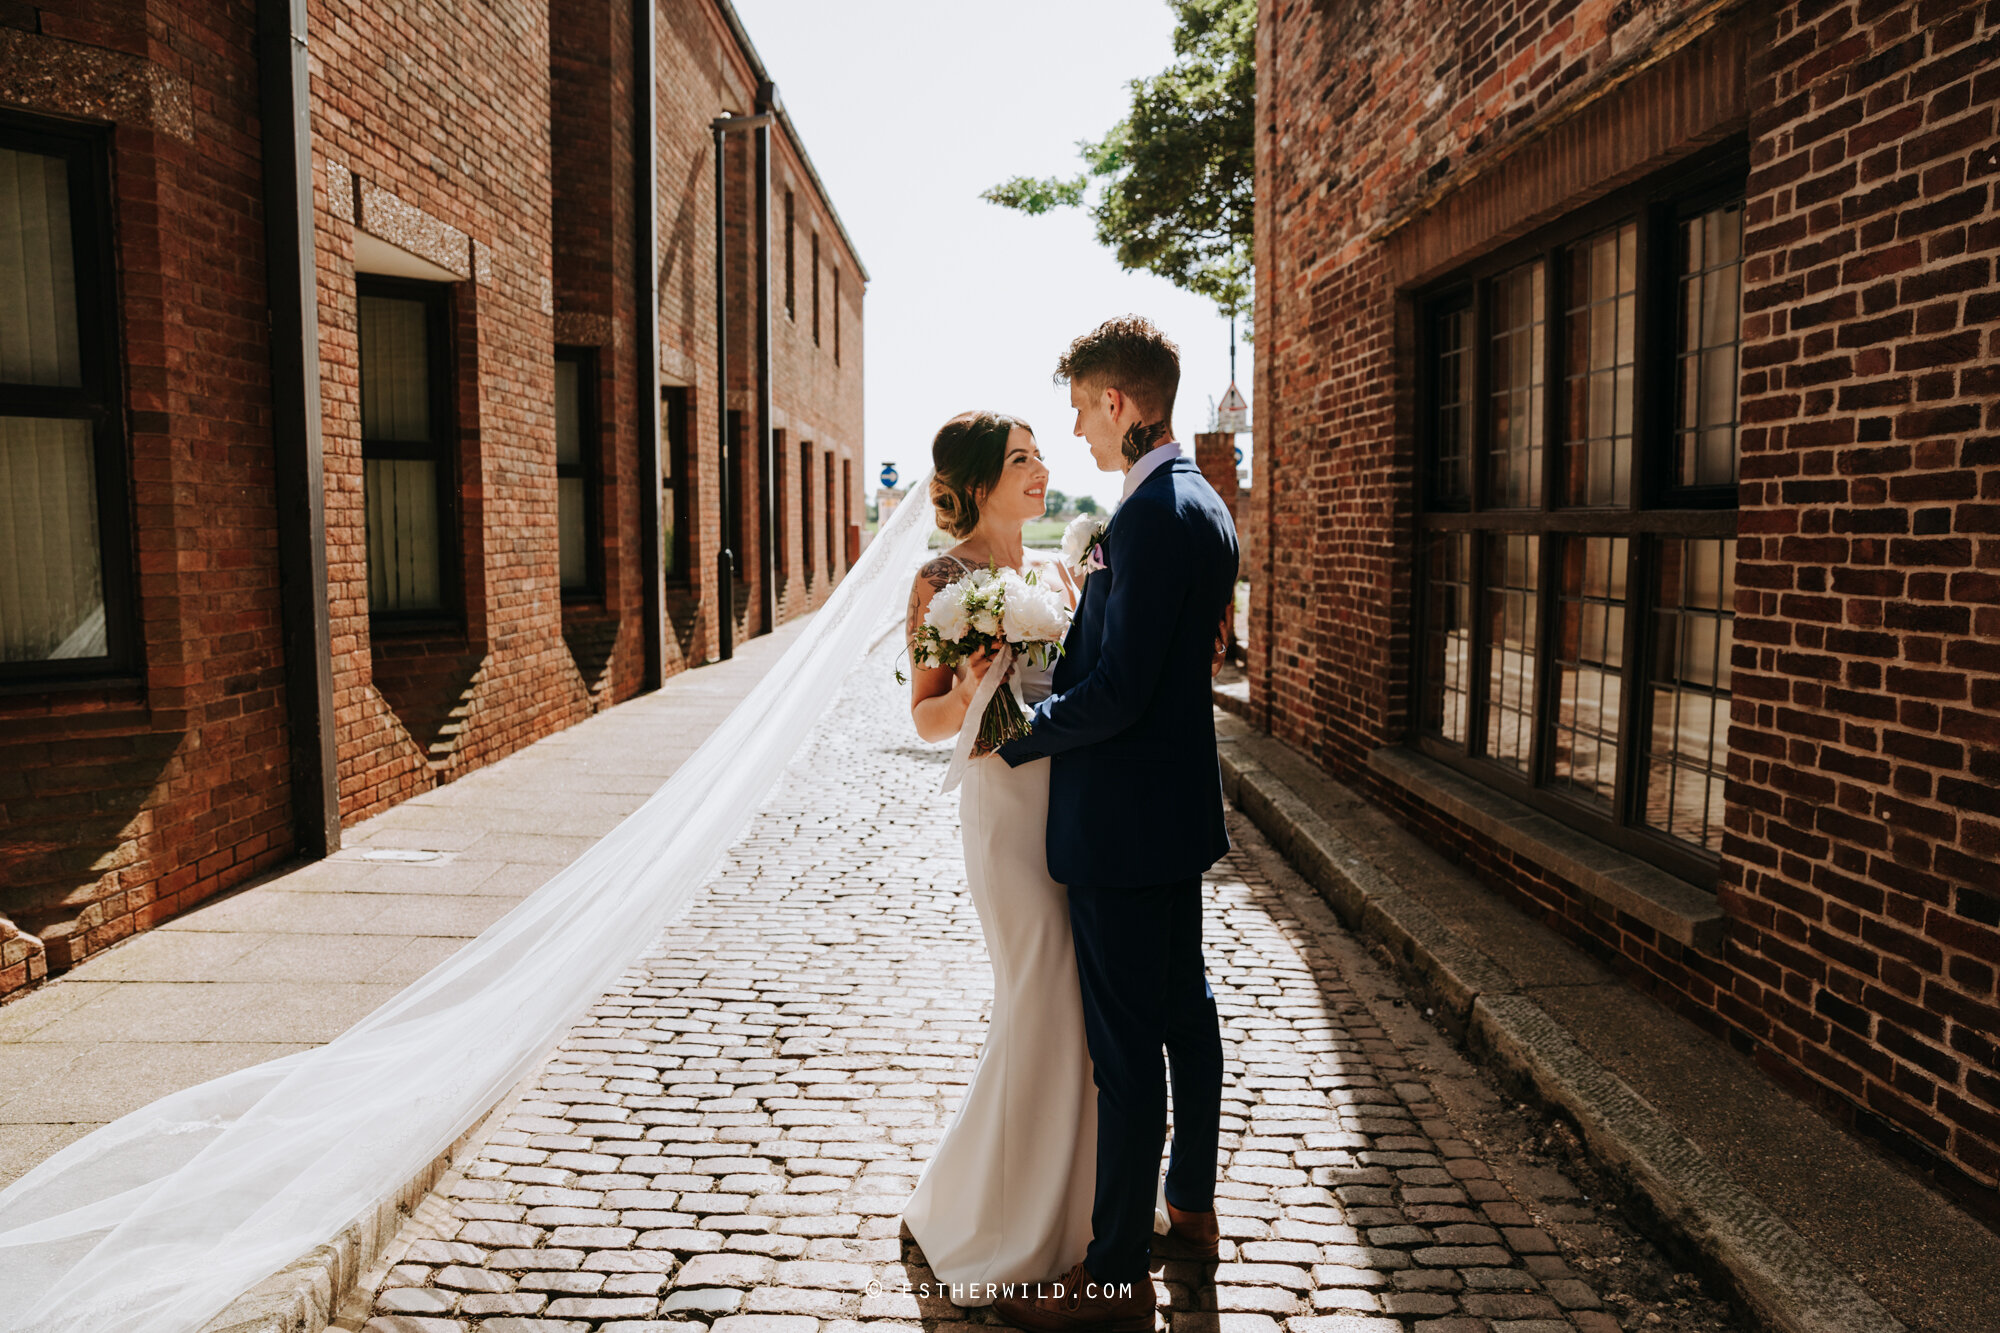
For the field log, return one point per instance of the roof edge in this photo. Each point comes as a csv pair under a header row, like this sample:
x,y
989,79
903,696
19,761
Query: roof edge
x,y
749,51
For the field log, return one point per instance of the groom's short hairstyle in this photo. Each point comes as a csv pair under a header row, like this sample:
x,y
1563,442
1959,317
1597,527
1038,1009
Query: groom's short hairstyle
x,y
1130,355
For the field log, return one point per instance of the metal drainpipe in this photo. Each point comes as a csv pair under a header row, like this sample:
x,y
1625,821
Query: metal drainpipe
x,y
725,560
767,524
285,112
726,557
645,209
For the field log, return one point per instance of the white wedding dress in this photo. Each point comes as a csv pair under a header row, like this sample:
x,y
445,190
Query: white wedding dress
x,y
1007,1195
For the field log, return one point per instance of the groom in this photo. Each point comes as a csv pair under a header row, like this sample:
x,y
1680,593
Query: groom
x,y
1135,817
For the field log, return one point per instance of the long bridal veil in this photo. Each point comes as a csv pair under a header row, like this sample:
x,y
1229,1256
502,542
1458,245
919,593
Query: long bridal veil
x,y
156,1222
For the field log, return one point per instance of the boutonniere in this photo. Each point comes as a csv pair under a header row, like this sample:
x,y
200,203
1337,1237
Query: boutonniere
x,y
1083,545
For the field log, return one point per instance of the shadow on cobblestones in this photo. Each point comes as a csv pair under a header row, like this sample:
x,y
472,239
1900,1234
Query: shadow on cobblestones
x,y
729,1137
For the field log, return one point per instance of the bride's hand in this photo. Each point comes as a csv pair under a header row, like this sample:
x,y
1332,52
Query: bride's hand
x,y
976,667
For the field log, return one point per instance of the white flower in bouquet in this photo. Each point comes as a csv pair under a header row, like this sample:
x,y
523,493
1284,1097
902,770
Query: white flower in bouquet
x,y
947,614
1035,619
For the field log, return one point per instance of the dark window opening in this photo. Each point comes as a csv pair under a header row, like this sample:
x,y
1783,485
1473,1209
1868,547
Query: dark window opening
x,y
782,540
580,555
815,287
791,261
735,460
832,511
676,413
806,506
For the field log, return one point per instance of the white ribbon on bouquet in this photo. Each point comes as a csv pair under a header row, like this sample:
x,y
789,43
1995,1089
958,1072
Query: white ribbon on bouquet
x,y
968,735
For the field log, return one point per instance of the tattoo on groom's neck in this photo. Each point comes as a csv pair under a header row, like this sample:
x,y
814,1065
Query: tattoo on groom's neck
x,y
1141,438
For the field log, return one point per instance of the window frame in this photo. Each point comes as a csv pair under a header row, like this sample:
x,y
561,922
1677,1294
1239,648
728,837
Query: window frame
x,y
677,409
832,556
590,471
1654,510
791,260
439,312
99,399
811,566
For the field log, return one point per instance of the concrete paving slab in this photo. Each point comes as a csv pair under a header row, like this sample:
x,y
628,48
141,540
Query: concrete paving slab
x,y
110,1079
21,1146
295,958
414,958
352,874
162,955
547,849
27,1065
276,908
22,1017
318,958
463,915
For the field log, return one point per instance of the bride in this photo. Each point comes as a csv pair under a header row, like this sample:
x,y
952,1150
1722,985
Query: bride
x,y
1007,1195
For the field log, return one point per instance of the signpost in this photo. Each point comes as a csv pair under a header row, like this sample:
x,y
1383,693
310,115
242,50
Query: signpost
x,y
888,497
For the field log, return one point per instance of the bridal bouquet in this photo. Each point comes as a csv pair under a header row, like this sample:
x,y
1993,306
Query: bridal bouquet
x,y
994,608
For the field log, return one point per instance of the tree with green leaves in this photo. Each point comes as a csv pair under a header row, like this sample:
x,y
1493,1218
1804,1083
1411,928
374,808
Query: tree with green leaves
x,y
1086,504
1178,172
1057,502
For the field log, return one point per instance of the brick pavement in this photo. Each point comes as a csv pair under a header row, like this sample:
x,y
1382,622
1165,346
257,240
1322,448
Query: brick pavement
x,y
729,1136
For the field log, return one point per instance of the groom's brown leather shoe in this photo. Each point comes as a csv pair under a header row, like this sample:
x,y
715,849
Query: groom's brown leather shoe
x,y
1191,1236
1078,1303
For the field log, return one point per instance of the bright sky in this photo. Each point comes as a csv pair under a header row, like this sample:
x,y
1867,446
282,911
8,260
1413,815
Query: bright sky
x,y
909,109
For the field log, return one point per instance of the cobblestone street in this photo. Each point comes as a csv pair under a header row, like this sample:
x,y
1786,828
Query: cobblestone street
x,y
729,1137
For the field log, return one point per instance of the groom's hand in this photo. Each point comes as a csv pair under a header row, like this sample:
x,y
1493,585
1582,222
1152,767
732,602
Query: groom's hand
x,y
1221,646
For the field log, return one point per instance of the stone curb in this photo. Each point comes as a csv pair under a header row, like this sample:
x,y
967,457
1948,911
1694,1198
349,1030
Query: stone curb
x,y
305,1295
1697,1210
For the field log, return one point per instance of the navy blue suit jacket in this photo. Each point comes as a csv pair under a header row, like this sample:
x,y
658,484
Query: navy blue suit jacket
x,y
1135,790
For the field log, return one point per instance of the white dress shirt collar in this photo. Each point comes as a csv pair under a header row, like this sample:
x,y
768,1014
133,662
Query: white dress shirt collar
x,y
1150,462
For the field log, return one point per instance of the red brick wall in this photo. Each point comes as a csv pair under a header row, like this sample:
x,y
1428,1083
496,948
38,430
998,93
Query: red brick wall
x,y
120,805
1395,145
1867,750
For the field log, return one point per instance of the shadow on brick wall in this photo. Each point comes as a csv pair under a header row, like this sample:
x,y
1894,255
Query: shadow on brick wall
x,y
80,855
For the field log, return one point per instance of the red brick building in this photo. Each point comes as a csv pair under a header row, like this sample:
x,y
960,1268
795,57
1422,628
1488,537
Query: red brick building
x,y
1630,481
335,377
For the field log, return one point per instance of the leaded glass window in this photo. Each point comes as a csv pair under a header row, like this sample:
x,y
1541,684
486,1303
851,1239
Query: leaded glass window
x,y
1577,517
64,554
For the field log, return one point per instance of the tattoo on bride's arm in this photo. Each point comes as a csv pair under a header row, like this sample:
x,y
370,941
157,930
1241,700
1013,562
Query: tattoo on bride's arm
x,y
932,579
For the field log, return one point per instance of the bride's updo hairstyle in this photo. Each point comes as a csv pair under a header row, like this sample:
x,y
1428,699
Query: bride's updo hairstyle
x,y
969,454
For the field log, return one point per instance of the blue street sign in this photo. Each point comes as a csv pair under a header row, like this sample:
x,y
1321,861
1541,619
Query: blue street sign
x,y
889,475
1239,455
